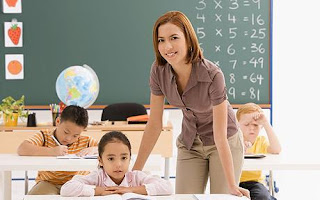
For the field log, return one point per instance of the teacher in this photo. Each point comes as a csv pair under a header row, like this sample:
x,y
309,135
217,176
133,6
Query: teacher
x,y
210,143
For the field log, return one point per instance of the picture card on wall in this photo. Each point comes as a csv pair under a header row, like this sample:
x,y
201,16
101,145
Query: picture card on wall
x,y
13,34
14,66
11,6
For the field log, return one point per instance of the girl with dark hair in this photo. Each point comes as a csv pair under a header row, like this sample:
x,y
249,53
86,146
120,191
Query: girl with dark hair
x,y
113,176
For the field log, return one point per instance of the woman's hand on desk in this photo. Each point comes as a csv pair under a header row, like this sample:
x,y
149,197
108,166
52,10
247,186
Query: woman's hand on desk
x,y
239,191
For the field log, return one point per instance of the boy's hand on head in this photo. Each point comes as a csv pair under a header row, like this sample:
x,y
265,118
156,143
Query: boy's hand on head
x,y
88,151
260,118
60,150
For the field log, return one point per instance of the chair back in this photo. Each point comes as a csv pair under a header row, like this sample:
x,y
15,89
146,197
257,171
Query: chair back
x,y
121,111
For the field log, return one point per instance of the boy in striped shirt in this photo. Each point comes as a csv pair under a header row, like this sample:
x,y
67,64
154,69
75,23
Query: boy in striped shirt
x,y
65,139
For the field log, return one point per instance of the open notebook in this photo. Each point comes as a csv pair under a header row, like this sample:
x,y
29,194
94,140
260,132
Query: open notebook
x,y
126,196
218,197
74,156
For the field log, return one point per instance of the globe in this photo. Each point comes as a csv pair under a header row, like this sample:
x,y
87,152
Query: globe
x,y
78,85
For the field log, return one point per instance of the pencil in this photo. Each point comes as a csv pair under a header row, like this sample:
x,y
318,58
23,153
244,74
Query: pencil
x,y
55,139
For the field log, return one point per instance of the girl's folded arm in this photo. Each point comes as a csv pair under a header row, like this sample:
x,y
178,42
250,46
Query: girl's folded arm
x,y
154,184
80,185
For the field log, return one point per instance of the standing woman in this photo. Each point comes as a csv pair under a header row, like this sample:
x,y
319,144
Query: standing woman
x,y
210,144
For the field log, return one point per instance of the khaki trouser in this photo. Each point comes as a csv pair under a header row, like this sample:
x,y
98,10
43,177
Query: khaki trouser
x,y
45,188
194,166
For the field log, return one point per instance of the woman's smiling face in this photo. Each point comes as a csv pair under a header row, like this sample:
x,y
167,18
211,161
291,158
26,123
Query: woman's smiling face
x,y
172,44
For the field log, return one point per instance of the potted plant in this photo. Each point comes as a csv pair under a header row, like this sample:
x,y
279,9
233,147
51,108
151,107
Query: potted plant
x,y
12,109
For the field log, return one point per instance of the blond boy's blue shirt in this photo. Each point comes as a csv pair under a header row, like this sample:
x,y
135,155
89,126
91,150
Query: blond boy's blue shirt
x,y
260,146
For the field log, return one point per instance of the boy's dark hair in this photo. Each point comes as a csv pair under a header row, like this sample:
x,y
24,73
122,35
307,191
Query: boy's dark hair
x,y
113,136
75,114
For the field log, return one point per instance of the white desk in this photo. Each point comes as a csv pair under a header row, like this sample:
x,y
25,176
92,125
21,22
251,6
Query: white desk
x,y
12,162
282,162
171,197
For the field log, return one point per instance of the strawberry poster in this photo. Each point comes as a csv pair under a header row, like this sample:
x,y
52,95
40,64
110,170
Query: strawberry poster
x,y
14,66
11,6
13,34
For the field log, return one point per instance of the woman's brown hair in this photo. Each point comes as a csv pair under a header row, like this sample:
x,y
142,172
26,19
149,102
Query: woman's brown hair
x,y
179,19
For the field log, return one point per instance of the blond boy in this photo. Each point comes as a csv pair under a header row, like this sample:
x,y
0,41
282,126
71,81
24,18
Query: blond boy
x,y
252,119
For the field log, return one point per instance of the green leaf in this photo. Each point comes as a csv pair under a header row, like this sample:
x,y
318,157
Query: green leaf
x,y
9,105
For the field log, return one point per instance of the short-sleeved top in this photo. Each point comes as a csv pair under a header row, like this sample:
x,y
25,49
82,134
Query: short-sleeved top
x,y
44,138
260,146
205,89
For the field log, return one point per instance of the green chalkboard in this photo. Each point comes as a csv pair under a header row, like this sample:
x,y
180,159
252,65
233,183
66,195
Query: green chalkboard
x,y
114,37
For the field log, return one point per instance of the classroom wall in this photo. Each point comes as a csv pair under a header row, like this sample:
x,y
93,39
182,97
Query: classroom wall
x,y
296,41
296,84
296,74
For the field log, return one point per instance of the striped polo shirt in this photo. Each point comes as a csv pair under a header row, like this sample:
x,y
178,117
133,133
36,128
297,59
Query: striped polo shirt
x,y
44,138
